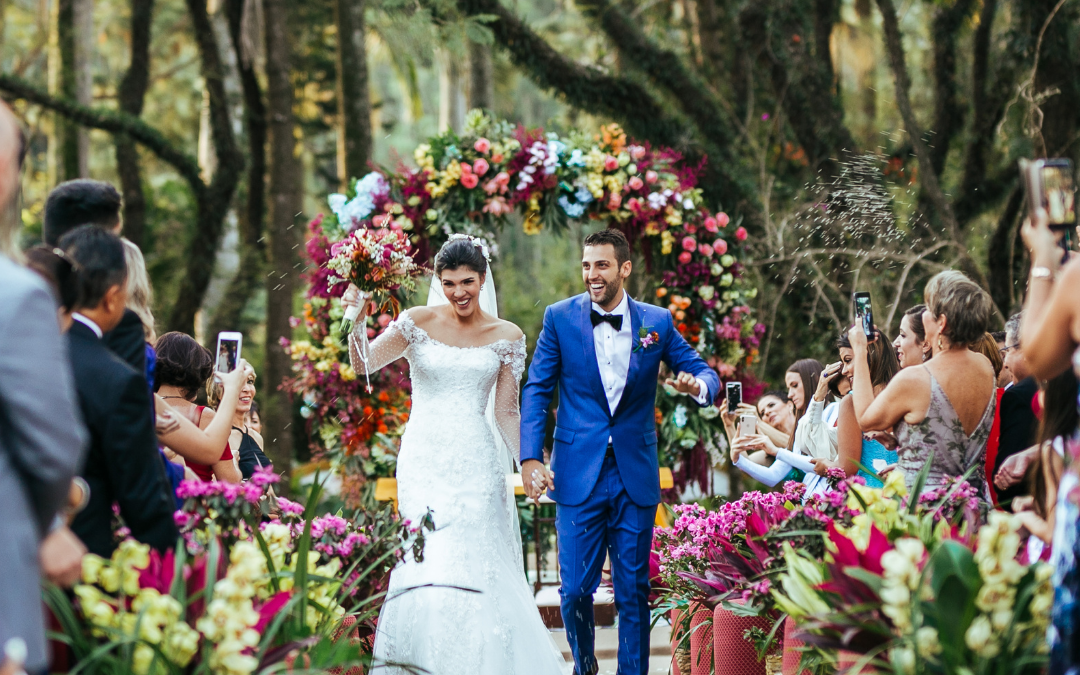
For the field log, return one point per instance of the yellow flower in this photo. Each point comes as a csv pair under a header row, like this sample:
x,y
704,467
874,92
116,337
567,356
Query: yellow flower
x,y
980,637
142,658
91,568
347,373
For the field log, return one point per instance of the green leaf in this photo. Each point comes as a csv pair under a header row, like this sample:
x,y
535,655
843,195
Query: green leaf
x,y
477,32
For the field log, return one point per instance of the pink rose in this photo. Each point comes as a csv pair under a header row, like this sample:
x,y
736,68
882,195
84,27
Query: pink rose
x,y
740,234
469,180
480,167
384,320
705,250
684,257
466,168
482,145
691,228
722,219
491,187
497,159
689,244
610,163
710,224
635,183
615,200
502,178
720,246
651,177
395,225
637,152
634,204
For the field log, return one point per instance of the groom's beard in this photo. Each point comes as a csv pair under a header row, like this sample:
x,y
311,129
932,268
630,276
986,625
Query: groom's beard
x,y
611,289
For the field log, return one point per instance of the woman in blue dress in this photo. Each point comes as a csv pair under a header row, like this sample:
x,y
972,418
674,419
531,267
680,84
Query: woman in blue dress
x,y
858,454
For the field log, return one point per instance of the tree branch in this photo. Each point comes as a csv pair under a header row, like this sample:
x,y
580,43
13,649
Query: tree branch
x,y
111,121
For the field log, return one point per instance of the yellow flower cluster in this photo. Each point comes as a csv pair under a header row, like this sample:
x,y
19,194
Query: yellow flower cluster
x,y
882,508
903,576
230,617
423,158
533,224
154,619
326,359
279,543
667,240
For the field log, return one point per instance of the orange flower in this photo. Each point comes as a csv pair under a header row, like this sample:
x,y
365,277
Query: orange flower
x,y
659,415
384,397
661,292
614,137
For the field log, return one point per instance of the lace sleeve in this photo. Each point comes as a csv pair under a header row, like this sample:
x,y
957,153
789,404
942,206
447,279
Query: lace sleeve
x,y
507,406
387,348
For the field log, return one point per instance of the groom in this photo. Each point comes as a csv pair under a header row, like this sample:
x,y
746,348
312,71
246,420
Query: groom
x,y
603,350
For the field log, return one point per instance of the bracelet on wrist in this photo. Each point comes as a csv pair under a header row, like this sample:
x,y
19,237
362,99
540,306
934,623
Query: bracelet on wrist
x,y
1042,272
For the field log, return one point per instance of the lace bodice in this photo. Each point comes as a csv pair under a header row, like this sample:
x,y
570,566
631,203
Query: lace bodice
x,y
442,372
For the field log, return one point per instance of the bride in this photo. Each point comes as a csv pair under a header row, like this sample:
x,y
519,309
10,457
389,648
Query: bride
x,y
467,608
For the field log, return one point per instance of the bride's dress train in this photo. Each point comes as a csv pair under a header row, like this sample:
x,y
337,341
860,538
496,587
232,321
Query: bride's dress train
x,y
449,463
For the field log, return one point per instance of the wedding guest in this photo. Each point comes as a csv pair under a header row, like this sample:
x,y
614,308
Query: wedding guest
x,y
816,432
911,345
254,418
1018,423
1005,376
941,410
1051,320
183,367
42,438
248,441
856,453
988,347
123,465
775,423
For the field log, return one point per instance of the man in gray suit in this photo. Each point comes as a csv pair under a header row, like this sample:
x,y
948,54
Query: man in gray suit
x,y
41,433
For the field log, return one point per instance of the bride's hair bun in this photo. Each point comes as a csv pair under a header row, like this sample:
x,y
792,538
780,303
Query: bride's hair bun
x,y
462,251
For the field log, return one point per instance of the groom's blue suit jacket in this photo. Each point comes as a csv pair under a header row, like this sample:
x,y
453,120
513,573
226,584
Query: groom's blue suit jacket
x,y
565,355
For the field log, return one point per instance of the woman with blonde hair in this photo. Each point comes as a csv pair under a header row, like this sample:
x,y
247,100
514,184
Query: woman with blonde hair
x,y
942,410
140,292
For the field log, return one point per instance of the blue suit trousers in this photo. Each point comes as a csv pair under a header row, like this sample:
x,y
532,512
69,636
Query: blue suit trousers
x,y
607,522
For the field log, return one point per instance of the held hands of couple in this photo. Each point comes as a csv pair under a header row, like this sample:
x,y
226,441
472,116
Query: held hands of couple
x,y
685,383
536,479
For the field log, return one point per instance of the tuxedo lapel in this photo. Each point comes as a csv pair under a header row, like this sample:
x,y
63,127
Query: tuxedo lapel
x,y
592,366
635,352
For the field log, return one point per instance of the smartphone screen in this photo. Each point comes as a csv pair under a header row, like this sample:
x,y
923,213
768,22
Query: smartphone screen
x,y
864,315
1059,192
734,395
228,352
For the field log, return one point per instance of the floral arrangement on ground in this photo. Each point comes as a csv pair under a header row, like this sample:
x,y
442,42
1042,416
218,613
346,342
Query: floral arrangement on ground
x,y
899,585
473,183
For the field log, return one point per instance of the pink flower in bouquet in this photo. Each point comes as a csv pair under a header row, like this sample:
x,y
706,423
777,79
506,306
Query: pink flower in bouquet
x,y
610,163
384,320
651,177
722,219
637,152
740,234
710,224
614,200
469,180
685,257
705,250
634,204
689,244
720,246
371,333
480,167
482,145
497,159
635,183
498,206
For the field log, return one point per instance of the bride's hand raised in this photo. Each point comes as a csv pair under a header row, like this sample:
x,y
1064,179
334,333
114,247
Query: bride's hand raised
x,y
354,297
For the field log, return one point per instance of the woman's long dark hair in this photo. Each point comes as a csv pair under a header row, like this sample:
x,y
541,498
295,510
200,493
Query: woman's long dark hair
x,y
183,363
1059,418
809,371
880,356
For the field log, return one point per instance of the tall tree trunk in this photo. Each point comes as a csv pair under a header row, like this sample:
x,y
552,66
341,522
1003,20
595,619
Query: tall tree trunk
x,y
229,313
286,181
481,77
84,53
354,103
63,84
451,93
215,199
130,97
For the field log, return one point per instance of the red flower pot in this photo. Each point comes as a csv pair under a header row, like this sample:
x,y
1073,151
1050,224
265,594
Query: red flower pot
x,y
701,641
732,652
846,664
791,649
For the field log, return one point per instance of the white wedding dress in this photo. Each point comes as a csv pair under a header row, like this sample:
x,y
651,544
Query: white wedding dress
x,y
449,463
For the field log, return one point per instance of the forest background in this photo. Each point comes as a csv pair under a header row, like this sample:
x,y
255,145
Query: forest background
x,y
864,144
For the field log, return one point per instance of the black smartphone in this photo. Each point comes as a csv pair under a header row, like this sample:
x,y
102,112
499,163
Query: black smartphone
x,y
1051,184
864,314
228,351
734,396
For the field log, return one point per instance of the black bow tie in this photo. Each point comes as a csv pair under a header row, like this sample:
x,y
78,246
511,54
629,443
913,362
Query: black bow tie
x,y
614,319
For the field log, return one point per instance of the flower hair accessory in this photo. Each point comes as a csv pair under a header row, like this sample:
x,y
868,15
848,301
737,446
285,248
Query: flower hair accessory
x,y
476,241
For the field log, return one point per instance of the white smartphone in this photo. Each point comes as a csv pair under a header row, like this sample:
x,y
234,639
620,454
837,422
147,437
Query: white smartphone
x,y
228,351
747,425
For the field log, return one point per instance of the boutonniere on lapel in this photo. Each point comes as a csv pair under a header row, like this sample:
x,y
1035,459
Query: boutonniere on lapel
x,y
646,338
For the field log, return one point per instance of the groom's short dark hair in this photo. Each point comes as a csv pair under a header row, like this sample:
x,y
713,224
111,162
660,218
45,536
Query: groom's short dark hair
x,y
614,237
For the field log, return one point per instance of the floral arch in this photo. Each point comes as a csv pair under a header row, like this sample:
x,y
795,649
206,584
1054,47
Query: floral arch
x,y
472,183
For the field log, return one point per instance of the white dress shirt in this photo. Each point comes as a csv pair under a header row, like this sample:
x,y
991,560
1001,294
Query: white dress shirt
x,y
613,349
88,322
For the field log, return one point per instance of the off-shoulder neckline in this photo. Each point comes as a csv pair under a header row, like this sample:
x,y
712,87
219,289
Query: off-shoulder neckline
x,y
490,345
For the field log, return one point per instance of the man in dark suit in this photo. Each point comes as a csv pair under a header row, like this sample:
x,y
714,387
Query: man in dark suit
x,y
1018,423
92,202
123,464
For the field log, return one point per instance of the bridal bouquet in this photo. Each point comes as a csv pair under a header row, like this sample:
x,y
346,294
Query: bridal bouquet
x,y
377,261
